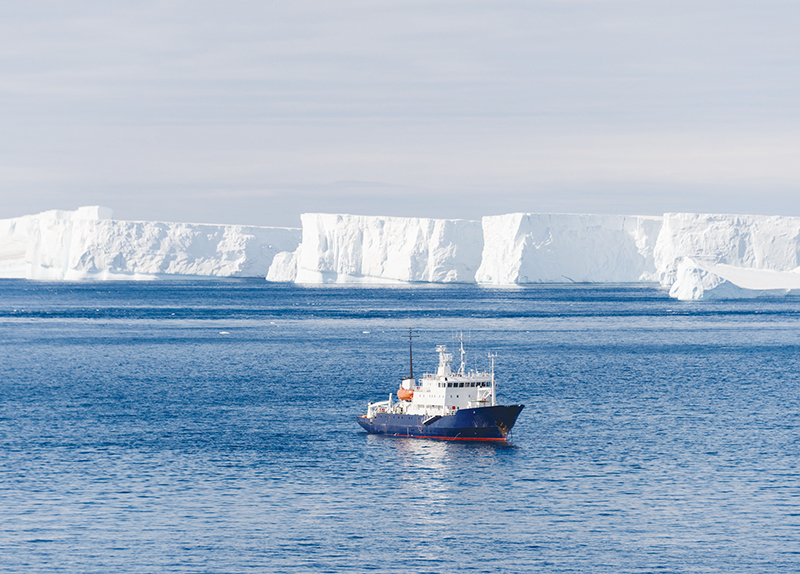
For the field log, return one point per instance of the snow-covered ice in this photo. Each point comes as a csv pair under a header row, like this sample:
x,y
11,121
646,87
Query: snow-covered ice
x,y
697,280
554,248
370,249
697,256
748,241
88,244
521,248
714,256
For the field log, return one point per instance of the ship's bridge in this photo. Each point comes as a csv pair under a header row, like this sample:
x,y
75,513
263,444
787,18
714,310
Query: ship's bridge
x,y
445,392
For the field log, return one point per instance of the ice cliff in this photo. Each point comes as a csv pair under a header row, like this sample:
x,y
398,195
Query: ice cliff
x,y
88,244
547,248
364,249
704,256
748,241
696,256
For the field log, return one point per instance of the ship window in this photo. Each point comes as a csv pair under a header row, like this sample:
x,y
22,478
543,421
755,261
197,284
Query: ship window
x,y
460,384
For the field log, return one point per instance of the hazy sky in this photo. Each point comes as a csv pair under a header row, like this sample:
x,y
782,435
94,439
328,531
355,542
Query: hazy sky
x,y
254,112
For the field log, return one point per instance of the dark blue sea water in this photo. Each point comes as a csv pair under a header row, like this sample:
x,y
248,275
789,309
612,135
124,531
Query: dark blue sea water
x,y
209,427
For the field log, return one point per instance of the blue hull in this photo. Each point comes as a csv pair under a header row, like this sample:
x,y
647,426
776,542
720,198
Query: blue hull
x,y
484,423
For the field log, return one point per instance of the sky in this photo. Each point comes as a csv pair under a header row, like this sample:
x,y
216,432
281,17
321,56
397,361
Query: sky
x,y
253,112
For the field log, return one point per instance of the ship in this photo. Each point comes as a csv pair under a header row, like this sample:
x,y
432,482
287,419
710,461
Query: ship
x,y
447,404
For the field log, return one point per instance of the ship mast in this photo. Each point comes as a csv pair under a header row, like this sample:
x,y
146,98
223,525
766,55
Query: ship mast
x,y
492,356
410,355
462,368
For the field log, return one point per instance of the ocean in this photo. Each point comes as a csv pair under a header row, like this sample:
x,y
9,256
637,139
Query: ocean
x,y
209,426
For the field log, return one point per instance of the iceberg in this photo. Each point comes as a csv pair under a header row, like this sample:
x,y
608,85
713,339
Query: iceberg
x,y
746,241
696,256
697,280
374,249
717,256
89,244
556,248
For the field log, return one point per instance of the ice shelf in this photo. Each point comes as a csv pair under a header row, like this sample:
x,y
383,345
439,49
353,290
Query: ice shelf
x,y
89,244
696,256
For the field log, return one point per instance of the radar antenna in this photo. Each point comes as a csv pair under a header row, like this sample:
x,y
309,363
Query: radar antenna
x,y
410,354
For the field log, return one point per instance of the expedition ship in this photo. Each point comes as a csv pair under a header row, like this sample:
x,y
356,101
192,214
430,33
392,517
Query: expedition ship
x,y
460,405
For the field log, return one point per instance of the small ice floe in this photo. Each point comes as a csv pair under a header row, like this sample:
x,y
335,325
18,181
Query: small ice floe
x,y
224,333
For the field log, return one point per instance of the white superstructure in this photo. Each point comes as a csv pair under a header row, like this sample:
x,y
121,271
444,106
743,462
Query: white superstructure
x,y
442,393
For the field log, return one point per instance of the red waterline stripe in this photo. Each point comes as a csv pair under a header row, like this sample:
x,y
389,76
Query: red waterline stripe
x,y
448,437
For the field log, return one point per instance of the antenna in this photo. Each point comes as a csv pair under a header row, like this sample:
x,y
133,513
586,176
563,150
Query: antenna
x,y
462,368
410,354
493,356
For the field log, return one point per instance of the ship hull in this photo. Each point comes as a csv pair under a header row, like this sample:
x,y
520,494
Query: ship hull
x,y
483,423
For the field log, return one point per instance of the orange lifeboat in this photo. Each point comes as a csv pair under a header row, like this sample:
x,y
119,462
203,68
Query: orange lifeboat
x,y
405,394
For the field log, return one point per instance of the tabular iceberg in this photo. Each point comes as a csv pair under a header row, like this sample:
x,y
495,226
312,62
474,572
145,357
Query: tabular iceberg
x,y
749,241
705,256
698,256
553,248
522,248
88,244
368,249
